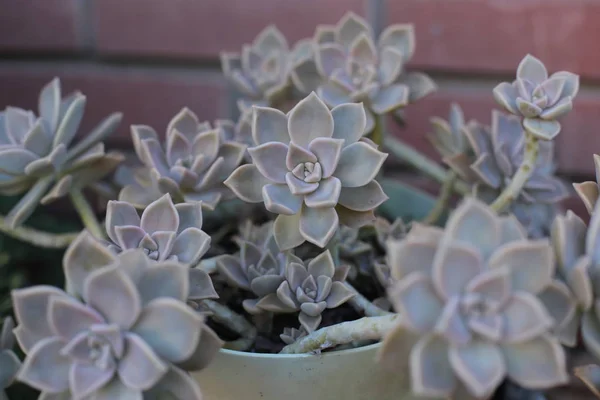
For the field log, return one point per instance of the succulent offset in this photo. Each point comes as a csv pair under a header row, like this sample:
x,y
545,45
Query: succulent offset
x,y
309,289
470,310
310,168
9,362
131,334
191,167
355,67
37,155
538,98
165,231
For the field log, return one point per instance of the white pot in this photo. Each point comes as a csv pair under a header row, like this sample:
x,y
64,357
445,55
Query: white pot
x,y
338,375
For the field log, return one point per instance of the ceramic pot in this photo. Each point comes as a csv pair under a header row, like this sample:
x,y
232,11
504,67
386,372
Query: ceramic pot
x,y
338,375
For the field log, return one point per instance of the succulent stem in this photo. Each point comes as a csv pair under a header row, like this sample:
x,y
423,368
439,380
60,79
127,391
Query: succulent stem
x,y
237,323
377,133
37,238
367,328
84,209
420,162
363,305
512,191
442,200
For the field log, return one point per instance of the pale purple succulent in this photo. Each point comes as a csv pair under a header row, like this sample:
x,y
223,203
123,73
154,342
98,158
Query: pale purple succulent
x,y
130,335
309,290
590,191
354,67
9,362
255,269
349,243
450,140
568,298
36,152
262,71
470,310
311,168
191,167
239,132
537,98
165,231
290,335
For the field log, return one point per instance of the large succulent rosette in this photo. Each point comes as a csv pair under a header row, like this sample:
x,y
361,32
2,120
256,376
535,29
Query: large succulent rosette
x,y
312,169
471,313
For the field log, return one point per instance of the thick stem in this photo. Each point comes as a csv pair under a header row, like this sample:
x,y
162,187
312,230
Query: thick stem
x,y
37,238
368,328
377,133
418,161
84,209
512,191
443,199
237,323
362,305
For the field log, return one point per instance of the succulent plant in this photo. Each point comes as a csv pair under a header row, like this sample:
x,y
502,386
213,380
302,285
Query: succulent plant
x,y
262,71
470,310
354,68
87,254
9,362
573,265
590,190
131,334
193,167
255,269
537,98
309,289
239,132
165,231
290,335
310,168
450,140
349,244
36,153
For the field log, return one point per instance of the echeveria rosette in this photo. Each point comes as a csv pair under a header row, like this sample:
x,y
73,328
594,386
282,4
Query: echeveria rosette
x,y
355,67
589,191
573,263
9,362
87,254
309,289
471,313
254,269
261,72
450,140
538,98
191,167
311,168
130,335
37,153
165,231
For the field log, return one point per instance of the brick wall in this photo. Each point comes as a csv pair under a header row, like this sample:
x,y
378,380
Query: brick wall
x,y
149,58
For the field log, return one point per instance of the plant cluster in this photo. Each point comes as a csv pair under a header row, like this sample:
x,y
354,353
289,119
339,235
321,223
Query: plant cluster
x,y
463,298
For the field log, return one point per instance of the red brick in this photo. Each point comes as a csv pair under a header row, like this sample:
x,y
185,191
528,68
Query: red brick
x,y
493,35
203,28
145,97
576,144
38,25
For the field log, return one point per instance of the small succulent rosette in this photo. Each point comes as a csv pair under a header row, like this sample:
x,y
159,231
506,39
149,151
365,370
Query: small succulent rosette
x,y
589,191
165,231
470,306
129,335
9,362
538,98
192,165
37,154
309,289
261,72
450,140
312,168
355,67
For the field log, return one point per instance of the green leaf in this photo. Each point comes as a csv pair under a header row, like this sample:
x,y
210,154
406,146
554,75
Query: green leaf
x,y
405,201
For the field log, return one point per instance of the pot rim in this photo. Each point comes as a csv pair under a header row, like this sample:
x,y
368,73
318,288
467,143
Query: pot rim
x,y
245,354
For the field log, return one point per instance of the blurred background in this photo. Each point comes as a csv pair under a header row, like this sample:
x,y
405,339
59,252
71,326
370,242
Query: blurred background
x,y
149,58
